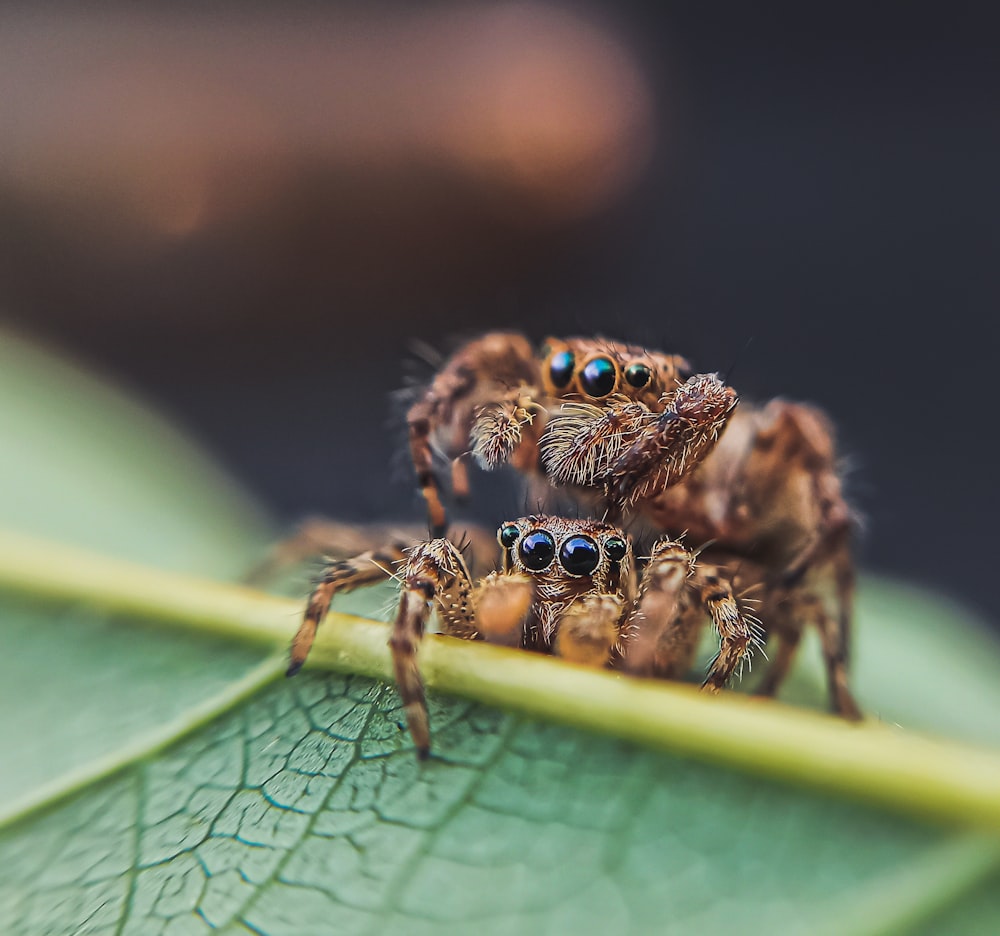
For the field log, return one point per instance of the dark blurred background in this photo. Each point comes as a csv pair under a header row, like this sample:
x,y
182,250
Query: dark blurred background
x,y
250,215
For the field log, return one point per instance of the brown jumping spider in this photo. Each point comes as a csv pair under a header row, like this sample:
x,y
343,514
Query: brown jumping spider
x,y
567,587
634,434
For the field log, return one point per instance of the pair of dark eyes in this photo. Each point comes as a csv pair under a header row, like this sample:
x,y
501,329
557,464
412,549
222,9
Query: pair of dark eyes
x,y
598,377
578,555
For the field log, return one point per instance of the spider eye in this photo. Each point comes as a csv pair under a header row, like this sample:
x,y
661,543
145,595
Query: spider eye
x,y
561,368
638,375
615,547
508,535
579,555
598,377
537,550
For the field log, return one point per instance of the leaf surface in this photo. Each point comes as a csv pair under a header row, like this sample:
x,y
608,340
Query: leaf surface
x,y
83,463
306,812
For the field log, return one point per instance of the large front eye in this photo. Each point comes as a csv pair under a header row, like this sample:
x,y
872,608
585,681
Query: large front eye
x,y
508,535
638,375
579,555
537,550
561,368
598,377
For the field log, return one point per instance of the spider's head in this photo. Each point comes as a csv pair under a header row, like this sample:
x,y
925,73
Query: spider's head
x,y
568,560
566,556
595,369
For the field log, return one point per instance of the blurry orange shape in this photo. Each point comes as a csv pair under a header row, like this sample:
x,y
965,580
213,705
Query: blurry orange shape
x,y
560,108
168,122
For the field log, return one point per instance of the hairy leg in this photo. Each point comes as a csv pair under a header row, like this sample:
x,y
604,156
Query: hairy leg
x,y
738,633
679,440
835,654
317,536
341,576
501,429
583,442
838,657
479,373
434,571
797,451
770,495
407,632
786,615
658,638
631,451
335,540
788,611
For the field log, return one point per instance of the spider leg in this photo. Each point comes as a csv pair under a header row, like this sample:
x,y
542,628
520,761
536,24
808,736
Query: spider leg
x,y
342,576
334,540
631,451
660,637
589,629
835,624
796,447
840,626
738,635
676,441
423,463
479,373
435,571
407,632
785,615
502,429
582,442
317,536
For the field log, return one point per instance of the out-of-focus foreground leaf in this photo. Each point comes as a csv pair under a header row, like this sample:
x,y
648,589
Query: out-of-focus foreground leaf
x,y
230,800
83,463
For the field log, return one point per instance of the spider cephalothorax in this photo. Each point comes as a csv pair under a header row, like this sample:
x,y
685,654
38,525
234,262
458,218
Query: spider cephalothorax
x,y
567,560
567,587
633,434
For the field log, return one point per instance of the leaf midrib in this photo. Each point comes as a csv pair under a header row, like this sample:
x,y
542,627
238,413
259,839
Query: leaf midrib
x,y
904,772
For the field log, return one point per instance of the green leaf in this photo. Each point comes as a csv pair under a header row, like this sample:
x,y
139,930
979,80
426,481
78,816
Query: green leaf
x,y
158,776
85,464
303,812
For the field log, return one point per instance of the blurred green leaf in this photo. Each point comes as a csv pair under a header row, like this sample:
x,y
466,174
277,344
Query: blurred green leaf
x,y
84,463
206,795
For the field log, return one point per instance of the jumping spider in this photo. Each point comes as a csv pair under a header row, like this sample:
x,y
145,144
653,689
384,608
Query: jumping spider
x,y
566,587
636,435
